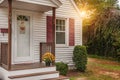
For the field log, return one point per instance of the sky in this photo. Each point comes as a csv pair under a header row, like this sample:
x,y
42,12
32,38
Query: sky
x,y
119,2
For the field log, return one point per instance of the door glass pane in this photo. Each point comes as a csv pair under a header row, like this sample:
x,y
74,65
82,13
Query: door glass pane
x,y
23,36
60,37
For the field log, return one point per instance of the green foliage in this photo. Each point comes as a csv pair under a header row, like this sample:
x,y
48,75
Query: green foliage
x,y
62,68
118,58
106,38
118,54
93,8
101,32
96,4
80,57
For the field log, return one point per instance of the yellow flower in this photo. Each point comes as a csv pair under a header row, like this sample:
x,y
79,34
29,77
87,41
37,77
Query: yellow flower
x,y
48,57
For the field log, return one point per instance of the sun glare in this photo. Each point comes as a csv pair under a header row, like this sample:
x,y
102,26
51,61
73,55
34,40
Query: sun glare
x,y
85,14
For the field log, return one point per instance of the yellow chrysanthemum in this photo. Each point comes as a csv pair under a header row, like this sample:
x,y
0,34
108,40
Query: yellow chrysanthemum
x,y
48,57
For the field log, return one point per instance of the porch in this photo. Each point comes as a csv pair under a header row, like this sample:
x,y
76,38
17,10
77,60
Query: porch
x,y
29,71
6,48
44,47
24,68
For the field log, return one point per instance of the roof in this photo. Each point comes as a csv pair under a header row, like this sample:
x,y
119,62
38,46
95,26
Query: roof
x,y
34,5
57,3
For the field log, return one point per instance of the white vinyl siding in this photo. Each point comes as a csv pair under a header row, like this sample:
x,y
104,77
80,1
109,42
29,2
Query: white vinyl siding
x,y
39,33
67,11
3,24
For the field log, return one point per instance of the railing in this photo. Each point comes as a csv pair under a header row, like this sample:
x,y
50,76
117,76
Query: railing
x,y
45,47
4,55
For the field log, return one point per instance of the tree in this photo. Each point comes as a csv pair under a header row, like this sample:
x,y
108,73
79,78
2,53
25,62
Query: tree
x,y
103,31
94,9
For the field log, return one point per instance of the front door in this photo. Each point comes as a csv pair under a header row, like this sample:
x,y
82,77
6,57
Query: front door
x,y
23,39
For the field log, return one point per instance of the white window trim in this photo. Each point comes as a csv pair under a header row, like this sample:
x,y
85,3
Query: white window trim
x,y
66,33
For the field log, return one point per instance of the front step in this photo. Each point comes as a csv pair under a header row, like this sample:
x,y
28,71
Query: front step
x,y
30,74
36,76
32,71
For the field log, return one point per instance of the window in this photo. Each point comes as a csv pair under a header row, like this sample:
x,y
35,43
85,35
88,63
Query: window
x,y
61,31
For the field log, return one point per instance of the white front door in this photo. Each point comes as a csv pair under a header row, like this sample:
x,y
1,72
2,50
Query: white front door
x,y
23,38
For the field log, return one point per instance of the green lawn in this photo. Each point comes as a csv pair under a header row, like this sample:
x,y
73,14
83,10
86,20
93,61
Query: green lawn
x,y
107,66
91,76
100,69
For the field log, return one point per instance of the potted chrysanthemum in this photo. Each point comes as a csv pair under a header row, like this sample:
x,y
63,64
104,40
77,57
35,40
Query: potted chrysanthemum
x,y
48,58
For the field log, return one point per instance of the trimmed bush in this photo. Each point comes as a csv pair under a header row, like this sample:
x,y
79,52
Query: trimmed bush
x,y
62,68
80,57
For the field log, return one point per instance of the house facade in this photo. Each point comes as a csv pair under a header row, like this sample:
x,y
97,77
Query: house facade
x,y
34,24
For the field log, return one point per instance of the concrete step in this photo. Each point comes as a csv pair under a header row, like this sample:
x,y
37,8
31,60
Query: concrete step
x,y
36,76
29,74
31,71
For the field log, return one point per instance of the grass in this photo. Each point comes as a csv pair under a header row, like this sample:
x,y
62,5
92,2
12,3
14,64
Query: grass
x,y
96,66
107,66
91,76
101,77
101,57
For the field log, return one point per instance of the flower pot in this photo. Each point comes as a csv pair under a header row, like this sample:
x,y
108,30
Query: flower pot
x,y
47,63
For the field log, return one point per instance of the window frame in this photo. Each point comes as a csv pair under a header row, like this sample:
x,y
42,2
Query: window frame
x,y
66,33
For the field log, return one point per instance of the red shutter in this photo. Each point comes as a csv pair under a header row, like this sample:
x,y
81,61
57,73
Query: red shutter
x,y
71,32
49,29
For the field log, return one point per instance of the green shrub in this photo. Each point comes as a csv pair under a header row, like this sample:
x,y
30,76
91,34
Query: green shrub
x,y
62,68
80,57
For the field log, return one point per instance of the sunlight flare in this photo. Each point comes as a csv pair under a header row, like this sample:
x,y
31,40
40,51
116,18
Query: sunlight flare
x,y
86,14
83,14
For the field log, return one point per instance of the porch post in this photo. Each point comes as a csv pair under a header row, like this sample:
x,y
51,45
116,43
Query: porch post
x,y
9,32
53,27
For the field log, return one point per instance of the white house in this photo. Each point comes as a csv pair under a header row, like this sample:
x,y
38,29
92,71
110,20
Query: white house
x,y
29,28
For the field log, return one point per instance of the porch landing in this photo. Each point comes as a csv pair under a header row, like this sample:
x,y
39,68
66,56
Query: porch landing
x,y
34,71
28,66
